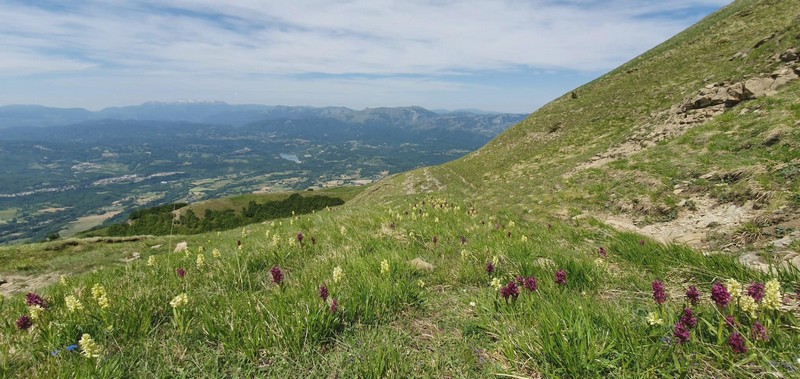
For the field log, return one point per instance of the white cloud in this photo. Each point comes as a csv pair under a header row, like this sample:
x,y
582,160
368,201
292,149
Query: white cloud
x,y
238,40
361,36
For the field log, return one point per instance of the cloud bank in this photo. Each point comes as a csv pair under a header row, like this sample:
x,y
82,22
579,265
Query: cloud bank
x,y
247,50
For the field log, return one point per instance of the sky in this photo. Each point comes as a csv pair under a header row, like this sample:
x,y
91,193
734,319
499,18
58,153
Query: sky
x,y
500,55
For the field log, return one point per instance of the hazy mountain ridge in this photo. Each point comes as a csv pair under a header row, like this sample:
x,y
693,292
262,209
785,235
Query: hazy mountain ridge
x,y
221,113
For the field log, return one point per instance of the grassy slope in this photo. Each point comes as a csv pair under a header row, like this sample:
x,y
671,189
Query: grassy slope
x,y
503,200
525,165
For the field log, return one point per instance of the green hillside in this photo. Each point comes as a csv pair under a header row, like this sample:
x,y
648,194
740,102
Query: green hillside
x,y
548,253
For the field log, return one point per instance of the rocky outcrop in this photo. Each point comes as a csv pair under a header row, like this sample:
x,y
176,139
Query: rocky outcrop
x,y
709,102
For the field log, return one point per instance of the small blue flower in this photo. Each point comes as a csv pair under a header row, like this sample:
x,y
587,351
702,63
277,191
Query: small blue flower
x,y
72,347
55,352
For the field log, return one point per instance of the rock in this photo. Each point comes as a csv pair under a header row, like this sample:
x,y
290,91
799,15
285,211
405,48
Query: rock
x,y
420,264
181,247
763,41
789,55
738,55
156,246
782,77
753,261
544,262
783,242
760,86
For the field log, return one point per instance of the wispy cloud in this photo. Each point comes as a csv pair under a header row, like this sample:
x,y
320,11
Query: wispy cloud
x,y
376,39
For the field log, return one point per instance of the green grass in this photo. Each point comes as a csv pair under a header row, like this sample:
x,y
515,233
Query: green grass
x,y
510,202
240,202
405,322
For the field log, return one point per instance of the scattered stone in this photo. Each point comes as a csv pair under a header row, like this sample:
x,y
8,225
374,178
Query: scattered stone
x,y
764,40
789,55
181,247
420,264
752,260
156,246
133,257
738,55
544,262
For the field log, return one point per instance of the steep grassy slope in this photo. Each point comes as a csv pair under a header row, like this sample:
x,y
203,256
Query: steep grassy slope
x,y
528,165
477,268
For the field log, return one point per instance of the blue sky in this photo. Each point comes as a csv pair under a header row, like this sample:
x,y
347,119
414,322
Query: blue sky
x,y
503,55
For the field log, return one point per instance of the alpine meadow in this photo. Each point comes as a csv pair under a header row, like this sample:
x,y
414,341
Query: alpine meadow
x,y
643,225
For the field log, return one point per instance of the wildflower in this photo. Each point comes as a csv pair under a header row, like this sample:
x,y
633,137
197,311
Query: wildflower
x,y
277,274
495,260
32,299
464,254
641,242
384,267
530,283
730,321
435,240
24,322
748,305
463,240
334,306
602,252
688,319
179,301
520,280
300,238
720,295
180,272
323,292
338,274
772,294
658,292
561,277
508,235
511,224
756,291
100,295
510,290
239,244
736,342
200,262
420,283
343,230
151,260
654,319
693,295
36,312
680,333
759,332
489,267
63,280
73,304
472,304
524,238
89,348
495,283
216,253
313,241
734,288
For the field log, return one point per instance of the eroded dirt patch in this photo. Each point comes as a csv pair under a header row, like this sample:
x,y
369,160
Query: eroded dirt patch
x,y
26,283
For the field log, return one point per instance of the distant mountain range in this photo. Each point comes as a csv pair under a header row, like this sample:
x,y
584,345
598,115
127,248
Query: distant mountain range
x,y
62,167
220,113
